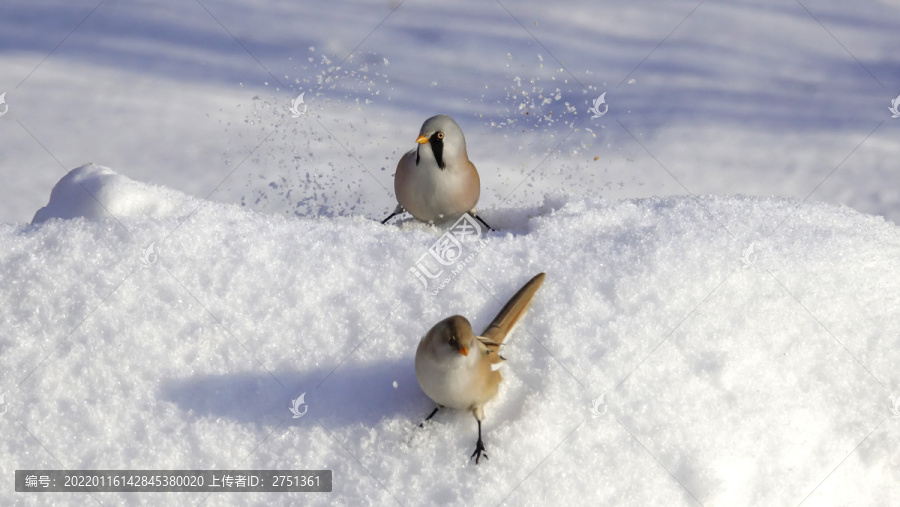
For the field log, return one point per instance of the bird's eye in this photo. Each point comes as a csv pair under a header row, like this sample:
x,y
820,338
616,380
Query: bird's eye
x,y
440,135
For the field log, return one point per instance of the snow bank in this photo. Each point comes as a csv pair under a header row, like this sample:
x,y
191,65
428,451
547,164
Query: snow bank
x,y
729,375
97,192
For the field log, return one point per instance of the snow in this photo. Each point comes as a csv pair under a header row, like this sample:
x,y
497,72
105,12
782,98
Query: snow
x,y
97,192
721,247
726,381
757,98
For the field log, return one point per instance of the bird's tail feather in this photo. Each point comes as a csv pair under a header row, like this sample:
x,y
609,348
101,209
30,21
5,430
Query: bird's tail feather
x,y
511,313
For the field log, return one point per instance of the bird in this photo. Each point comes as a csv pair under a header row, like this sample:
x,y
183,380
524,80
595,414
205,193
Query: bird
x,y
457,369
436,182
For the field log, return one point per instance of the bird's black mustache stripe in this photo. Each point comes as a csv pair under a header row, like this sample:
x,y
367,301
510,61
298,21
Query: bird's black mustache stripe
x,y
437,147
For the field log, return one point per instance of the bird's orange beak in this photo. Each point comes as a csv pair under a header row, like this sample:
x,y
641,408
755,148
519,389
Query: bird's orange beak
x,y
464,351
421,139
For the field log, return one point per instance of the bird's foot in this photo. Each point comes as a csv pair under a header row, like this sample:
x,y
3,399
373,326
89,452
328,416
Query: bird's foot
x,y
483,222
422,424
397,211
479,451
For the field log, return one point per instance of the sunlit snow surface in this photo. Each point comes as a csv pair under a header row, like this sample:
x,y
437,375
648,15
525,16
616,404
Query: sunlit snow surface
x,y
730,376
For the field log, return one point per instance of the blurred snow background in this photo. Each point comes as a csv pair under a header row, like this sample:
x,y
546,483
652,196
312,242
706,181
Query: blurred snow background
x,y
759,98
775,98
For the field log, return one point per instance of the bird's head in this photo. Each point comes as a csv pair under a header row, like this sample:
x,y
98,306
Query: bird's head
x,y
455,339
440,139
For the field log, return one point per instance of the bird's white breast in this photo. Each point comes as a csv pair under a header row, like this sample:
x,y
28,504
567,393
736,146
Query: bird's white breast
x,y
433,194
448,383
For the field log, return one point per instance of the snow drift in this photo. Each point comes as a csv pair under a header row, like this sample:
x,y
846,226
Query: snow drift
x,y
683,350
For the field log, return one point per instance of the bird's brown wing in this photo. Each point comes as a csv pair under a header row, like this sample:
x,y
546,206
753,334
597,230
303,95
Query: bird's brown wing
x,y
510,314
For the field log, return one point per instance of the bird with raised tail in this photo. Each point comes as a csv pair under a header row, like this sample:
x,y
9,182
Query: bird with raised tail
x,y
436,182
458,369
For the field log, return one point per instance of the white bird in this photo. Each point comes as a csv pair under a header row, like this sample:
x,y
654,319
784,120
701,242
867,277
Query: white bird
x,y
458,369
436,182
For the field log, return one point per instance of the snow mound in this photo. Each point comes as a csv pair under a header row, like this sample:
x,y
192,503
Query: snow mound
x,y
726,350
96,192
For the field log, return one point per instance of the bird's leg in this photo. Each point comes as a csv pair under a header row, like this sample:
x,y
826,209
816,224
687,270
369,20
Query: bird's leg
x,y
479,447
422,424
483,222
398,210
